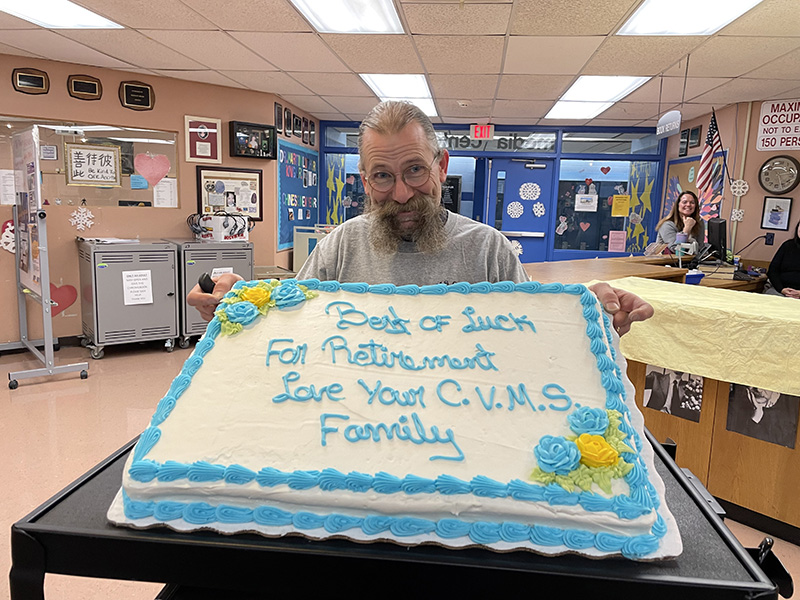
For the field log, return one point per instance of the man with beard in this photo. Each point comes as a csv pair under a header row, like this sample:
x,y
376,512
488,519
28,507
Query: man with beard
x,y
405,235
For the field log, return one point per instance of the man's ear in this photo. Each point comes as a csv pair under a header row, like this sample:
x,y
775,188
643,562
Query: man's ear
x,y
363,180
443,162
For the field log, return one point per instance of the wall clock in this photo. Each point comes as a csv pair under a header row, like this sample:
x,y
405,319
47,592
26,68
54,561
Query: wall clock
x,y
780,174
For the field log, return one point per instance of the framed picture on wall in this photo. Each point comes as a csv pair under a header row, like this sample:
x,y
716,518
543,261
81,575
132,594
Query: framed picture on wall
x,y
297,126
683,149
203,136
223,189
305,130
776,213
252,140
278,118
694,136
287,122
312,133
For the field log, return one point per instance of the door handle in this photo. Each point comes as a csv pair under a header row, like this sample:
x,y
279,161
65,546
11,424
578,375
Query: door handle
x,y
529,234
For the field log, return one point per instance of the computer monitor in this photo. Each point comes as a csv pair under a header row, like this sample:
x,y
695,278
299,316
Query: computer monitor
x,y
717,237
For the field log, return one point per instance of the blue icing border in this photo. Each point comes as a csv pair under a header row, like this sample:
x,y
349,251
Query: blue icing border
x,y
641,500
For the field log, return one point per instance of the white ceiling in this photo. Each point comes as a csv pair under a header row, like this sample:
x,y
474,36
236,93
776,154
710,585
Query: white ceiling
x,y
500,61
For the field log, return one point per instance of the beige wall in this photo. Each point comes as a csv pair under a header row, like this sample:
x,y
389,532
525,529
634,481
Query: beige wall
x,y
174,99
744,162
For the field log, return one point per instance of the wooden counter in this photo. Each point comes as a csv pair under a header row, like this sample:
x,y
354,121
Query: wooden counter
x,y
601,269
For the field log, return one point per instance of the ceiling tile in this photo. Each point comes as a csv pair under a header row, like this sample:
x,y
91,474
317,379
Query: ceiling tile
x,y
579,17
533,87
375,53
475,54
247,15
631,110
335,84
785,67
214,49
212,77
50,44
770,18
164,14
523,109
267,81
671,89
330,116
354,107
477,109
563,122
457,19
745,90
549,55
733,56
8,21
132,47
463,86
310,104
6,49
639,55
292,51
693,110
616,122
791,94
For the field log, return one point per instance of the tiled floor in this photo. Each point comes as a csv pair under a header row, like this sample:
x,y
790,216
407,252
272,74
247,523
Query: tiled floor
x,y
52,430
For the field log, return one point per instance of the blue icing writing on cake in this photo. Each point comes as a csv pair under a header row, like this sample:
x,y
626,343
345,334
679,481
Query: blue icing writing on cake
x,y
490,414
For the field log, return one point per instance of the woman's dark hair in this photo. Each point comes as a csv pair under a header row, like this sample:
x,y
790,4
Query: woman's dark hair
x,y
676,217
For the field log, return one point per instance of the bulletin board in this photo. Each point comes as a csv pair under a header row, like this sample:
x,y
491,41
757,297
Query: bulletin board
x,y
681,174
298,191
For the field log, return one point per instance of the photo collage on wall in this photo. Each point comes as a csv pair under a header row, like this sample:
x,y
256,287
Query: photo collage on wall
x,y
292,125
673,392
763,414
298,192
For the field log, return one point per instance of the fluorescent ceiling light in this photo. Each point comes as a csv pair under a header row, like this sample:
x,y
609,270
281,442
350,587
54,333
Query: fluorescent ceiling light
x,y
56,14
413,88
144,140
684,17
350,16
601,88
577,110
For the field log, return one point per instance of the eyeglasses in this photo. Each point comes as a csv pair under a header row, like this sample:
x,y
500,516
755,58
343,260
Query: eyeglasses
x,y
413,176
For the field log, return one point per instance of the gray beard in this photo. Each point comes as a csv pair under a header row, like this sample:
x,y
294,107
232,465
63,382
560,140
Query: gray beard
x,y
385,236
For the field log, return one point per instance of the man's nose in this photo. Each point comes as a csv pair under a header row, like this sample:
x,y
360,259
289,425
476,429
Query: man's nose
x,y
402,192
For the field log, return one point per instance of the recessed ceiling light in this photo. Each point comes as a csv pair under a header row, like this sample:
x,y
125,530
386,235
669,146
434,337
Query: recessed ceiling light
x,y
57,14
413,88
350,16
684,17
592,94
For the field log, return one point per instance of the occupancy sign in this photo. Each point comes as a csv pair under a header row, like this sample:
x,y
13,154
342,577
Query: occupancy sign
x,y
779,125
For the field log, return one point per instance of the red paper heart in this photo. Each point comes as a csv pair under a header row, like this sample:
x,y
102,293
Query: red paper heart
x,y
605,170
7,225
585,226
152,167
63,296
589,181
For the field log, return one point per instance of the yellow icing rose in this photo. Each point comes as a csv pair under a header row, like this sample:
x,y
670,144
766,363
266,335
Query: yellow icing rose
x,y
257,295
595,451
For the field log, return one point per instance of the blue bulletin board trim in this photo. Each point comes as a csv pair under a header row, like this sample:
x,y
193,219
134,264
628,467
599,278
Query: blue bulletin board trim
x,y
298,191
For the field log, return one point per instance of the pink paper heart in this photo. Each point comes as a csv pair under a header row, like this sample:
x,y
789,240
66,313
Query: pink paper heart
x,y
152,167
64,296
585,226
605,170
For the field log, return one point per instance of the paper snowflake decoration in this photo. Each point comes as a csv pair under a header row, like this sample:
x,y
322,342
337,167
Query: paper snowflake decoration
x,y
530,191
538,209
516,247
7,239
739,187
514,210
737,214
82,219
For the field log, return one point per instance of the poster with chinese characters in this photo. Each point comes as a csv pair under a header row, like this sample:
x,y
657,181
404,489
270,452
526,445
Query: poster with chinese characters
x,y
298,191
93,165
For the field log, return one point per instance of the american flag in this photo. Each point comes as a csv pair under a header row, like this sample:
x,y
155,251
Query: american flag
x,y
712,146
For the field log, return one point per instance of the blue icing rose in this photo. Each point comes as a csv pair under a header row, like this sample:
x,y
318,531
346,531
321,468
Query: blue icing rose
x,y
241,312
288,295
556,454
593,421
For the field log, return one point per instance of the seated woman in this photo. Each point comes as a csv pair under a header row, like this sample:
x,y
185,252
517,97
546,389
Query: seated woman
x,y
784,270
684,218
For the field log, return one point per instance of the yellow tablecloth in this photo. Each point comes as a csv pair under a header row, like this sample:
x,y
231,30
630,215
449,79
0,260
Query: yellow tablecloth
x,y
750,339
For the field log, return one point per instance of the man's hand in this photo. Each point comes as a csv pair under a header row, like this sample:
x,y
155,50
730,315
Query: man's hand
x,y
790,292
207,303
626,307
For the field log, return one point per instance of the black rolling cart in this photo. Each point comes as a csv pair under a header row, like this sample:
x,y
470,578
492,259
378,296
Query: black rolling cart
x,y
69,535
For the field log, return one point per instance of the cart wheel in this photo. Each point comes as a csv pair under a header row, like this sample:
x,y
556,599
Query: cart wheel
x,y
56,347
84,374
13,384
84,342
97,353
184,342
169,345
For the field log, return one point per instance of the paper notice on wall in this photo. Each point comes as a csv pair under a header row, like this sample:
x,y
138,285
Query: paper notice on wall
x,y
779,125
616,241
217,271
137,287
165,193
585,202
620,205
7,187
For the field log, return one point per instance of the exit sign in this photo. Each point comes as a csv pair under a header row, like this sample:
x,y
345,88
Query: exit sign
x,y
481,132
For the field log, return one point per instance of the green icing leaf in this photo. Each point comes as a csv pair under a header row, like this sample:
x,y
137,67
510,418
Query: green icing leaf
x,y
565,481
602,477
229,328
